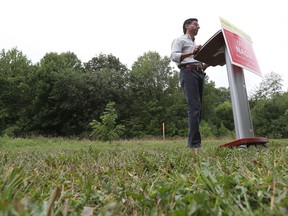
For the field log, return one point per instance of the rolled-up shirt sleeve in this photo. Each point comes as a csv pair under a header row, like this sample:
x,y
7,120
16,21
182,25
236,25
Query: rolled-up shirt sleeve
x,y
176,51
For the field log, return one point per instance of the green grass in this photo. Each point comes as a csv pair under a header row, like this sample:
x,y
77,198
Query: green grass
x,y
42,176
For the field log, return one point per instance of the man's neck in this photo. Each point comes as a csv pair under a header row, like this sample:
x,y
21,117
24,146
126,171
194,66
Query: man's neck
x,y
191,36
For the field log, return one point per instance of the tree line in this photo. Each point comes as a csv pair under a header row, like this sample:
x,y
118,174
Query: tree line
x,y
62,96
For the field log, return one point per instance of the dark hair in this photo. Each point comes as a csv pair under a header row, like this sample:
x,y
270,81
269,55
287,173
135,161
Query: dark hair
x,y
188,21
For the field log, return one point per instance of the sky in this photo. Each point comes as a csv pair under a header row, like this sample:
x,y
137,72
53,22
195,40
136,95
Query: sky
x,y
129,28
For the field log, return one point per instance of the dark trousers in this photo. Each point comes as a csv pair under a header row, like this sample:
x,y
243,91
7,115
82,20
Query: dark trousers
x,y
192,83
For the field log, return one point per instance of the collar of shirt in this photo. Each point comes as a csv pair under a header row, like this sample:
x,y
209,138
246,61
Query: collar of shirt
x,y
189,37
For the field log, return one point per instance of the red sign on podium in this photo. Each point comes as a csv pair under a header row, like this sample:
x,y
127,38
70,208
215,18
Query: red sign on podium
x,y
240,48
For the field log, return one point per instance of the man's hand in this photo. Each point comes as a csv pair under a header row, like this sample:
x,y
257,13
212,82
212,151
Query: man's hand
x,y
190,53
196,49
205,66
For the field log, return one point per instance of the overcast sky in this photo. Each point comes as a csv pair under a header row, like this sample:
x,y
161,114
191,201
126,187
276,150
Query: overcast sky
x,y
128,28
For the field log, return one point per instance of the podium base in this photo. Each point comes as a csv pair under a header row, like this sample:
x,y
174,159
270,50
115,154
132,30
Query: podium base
x,y
246,141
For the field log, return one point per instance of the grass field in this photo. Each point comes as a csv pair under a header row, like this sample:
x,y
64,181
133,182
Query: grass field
x,y
54,176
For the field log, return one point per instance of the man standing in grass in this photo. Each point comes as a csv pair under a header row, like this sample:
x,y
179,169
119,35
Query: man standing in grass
x,y
192,77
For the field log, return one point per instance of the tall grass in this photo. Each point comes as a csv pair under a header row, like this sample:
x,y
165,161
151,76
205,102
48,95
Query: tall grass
x,y
43,176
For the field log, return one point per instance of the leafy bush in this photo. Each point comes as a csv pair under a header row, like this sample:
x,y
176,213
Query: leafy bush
x,y
107,130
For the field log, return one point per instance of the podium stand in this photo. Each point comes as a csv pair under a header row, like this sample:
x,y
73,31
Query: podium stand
x,y
214,52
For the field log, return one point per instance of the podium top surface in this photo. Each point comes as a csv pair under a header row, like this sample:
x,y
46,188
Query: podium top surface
x,y
212,52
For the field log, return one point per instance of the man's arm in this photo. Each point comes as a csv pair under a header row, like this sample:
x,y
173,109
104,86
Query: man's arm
x,y
192,52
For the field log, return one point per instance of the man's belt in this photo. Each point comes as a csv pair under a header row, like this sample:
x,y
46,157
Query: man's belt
x,y
194,67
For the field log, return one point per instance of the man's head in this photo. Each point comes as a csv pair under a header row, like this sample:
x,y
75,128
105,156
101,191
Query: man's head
x,y
189,22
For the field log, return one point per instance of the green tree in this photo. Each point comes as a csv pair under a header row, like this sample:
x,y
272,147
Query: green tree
x,y
269,108
270,85
176,120
150,84
217,110
55,93
270,117
106,80
105,61
107,130
15,87
225,115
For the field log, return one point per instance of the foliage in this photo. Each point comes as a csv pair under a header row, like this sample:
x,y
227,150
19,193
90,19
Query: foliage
x,y
270,116
15,77
60,96
43,176
107,130
54,83
206,130
217,108
102,61
271,85
224,112
153,97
